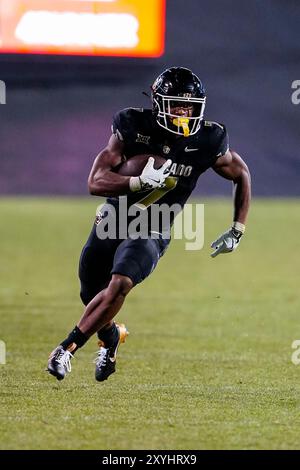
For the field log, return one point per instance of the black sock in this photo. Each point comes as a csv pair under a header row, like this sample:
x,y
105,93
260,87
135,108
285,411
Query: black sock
x,y
74,341
108,335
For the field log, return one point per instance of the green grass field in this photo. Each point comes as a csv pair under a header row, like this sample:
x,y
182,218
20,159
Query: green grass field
x,y
207,364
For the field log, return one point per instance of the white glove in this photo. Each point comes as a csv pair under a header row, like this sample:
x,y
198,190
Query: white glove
x,y
150,177
227,242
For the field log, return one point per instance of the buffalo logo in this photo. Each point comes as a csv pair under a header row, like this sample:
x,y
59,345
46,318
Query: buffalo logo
x,y
98,219
100,216
157,83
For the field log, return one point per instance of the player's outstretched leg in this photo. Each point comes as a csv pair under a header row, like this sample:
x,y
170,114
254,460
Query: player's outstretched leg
x,y
97,316
136,259
107,354
105,305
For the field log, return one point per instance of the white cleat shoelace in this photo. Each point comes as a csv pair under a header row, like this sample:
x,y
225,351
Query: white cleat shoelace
x,y
101,358
64,360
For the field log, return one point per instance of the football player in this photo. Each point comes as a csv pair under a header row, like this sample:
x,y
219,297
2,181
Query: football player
x,y
109,268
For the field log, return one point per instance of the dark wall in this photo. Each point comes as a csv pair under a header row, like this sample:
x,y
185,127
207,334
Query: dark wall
x,y
58,111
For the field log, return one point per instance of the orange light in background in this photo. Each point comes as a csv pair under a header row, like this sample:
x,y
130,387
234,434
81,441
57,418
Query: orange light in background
x,y
132,28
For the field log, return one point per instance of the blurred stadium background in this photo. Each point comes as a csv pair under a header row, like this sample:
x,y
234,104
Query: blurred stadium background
x,y
59,109
233,385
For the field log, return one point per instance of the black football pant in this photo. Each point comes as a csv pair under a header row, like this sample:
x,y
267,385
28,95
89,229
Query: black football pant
x,y
100,258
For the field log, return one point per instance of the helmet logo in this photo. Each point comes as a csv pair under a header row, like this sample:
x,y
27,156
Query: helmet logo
x,y
157,82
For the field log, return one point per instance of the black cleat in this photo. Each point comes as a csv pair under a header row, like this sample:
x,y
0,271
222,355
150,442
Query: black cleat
x,y
59,363
106,357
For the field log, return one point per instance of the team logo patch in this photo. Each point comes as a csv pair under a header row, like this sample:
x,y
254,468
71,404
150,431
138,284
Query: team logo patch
x,y
98,219
166,149
100,216
143,139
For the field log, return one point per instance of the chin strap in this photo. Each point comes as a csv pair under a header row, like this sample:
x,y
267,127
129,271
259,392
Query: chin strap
x,y
184,123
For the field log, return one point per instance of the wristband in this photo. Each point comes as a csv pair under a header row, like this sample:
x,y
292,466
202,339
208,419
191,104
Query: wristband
x,y
135,184
239,227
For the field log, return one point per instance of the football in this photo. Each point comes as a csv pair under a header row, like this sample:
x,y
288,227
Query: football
x,y
134,165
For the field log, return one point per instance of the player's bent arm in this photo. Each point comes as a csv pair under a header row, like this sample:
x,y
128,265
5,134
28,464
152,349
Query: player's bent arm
x,y
232,167
102,180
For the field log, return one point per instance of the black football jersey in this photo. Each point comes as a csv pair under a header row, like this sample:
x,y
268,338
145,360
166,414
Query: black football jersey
x,y
191,156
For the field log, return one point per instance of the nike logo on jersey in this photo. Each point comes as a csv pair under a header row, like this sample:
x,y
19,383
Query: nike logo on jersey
x,y
187,149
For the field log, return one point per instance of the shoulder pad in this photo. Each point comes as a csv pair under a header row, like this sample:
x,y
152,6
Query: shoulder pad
x,y
128,122
140,110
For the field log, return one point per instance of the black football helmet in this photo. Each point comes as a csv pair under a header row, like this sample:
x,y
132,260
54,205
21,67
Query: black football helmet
x,y
178,87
